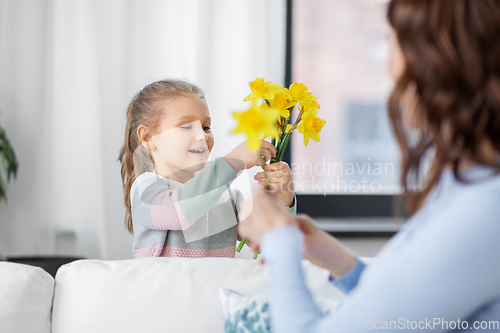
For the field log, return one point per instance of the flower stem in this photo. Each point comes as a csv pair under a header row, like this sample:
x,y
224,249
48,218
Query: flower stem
x,y
299,117
282,147
266,176
256,254
240,245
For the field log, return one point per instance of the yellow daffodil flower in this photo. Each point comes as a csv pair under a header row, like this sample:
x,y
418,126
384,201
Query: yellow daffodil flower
x,y
256,121
281,103
311,125
298,92
275,135
260,89
311,104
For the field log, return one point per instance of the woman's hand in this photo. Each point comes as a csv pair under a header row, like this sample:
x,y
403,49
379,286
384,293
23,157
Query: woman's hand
x,y
264,213
324,250
280,180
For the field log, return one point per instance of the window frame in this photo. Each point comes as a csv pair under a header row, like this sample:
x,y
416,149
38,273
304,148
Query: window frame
x,y
336,206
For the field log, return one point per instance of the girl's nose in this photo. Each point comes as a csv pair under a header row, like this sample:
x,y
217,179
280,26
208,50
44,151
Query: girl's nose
x,y
201,135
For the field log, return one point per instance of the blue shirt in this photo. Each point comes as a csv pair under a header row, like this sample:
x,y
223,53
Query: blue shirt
x,y
442,269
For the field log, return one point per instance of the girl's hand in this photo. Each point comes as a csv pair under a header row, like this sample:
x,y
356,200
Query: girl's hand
x,y
280,180
250,158
264,214
324,250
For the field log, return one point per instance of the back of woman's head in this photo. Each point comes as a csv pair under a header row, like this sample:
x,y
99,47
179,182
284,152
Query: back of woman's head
x,y
452,55
146,108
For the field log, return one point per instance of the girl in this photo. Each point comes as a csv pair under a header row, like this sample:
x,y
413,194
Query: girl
x,y
170,211
441,271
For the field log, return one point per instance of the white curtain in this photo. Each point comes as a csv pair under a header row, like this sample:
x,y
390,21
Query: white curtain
x,y
67,72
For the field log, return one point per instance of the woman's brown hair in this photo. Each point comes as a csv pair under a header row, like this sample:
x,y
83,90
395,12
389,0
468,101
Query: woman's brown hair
x,y
452,55
146,108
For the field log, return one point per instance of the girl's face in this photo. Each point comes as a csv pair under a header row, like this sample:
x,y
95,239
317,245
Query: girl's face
x,y
185,140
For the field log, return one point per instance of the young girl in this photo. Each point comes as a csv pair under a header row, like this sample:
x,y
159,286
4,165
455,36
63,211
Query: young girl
x,y
171,211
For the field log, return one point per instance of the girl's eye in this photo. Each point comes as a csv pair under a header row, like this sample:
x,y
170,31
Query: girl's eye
x,y
206,128
186,127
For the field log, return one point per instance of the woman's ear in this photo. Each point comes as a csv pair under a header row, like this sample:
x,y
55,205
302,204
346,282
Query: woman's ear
x,y
145,137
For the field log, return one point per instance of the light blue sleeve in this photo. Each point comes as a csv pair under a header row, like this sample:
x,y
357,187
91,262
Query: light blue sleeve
x,y
349,280
290,298
447,269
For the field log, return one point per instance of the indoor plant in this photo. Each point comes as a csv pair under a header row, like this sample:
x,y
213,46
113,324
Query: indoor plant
x,y
8,165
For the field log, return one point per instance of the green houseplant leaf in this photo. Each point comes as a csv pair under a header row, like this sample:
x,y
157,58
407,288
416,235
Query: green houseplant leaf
x,y
8,163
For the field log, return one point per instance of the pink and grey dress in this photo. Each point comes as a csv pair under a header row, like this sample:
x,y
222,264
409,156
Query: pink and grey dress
x,y
196,219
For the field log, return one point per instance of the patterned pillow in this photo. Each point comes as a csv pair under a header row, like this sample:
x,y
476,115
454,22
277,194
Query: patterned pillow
x,y
251,314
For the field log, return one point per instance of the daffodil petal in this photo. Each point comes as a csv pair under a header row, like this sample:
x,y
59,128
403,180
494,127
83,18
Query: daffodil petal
x,y
300,128
251,97
254,143
306,139
314,136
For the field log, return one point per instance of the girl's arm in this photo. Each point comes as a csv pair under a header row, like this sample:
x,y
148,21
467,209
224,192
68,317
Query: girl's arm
x,y
163,208
202,192
444,268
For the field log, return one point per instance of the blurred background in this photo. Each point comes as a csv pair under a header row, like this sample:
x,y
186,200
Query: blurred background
x,y
68,70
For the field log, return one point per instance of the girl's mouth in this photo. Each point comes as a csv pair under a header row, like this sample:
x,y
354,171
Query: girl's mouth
x,y
198,151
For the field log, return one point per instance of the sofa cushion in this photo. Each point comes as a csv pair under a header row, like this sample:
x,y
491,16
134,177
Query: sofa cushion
x,y
25,298
250,314
160,294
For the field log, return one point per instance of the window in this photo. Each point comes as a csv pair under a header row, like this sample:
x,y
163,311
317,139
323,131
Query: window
x,y
339,49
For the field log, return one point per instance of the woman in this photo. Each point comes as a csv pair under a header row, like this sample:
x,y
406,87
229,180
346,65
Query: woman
x,y
441,271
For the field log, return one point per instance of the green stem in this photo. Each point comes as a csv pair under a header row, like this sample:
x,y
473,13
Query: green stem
x,y
283,145
283,128
266,176
240,245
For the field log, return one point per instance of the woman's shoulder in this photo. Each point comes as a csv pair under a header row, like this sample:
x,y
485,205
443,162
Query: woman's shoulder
x,y
486,188
477,200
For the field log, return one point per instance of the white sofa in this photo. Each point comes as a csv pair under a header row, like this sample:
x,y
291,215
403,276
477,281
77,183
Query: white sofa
x,y
140,295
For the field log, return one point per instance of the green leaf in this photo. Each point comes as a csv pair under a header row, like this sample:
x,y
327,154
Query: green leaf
x,y
8,162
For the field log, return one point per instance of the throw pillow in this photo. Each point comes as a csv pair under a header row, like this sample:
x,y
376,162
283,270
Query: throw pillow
x,y
251,314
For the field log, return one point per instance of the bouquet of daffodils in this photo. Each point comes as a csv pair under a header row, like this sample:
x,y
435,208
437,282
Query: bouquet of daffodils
x,y
269,116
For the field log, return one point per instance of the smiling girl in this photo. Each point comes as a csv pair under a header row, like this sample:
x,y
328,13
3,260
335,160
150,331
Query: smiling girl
x,y
178,204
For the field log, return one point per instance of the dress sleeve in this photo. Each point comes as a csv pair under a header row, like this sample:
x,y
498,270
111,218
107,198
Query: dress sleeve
x,y
202,192
155,203
445,270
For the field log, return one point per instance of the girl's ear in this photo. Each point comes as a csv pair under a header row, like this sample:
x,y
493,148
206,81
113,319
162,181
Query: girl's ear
x,y
145,138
